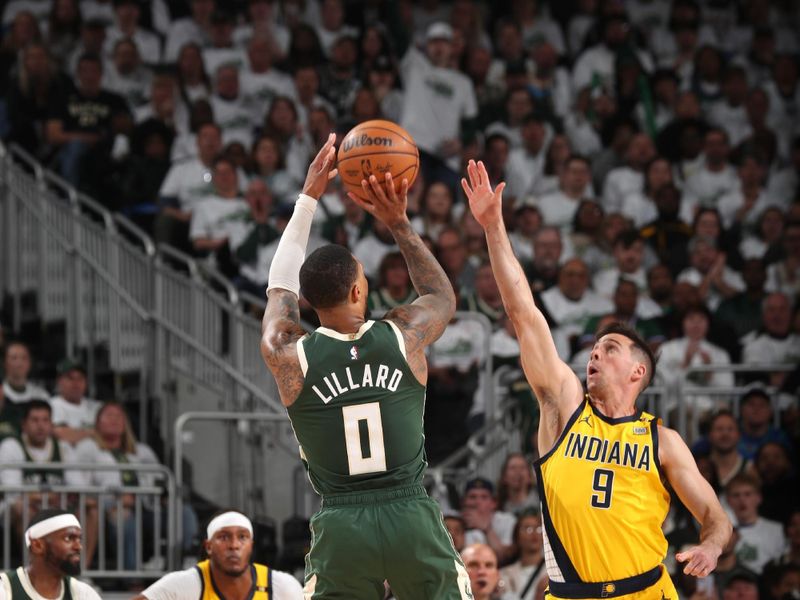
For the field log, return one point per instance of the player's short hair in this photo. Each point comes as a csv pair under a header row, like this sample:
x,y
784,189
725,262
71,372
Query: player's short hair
x,y
639,346
743,480
327,276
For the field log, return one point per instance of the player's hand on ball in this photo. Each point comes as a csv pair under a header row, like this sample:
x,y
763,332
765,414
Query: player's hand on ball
x,y
700,560
384,203
486,204
321,170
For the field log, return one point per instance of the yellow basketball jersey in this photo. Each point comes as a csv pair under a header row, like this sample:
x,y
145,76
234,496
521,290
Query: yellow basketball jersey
x,y
603,501
262,582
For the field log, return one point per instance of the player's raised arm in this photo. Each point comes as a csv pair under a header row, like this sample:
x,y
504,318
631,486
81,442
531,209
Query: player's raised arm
x,y
552,380
280,327
698,496
424,320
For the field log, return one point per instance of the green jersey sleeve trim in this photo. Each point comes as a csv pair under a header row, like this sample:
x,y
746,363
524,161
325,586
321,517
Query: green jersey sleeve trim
x,y
400,341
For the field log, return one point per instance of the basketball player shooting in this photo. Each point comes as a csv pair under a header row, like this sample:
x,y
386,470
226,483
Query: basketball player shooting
x,y
603,462
354,390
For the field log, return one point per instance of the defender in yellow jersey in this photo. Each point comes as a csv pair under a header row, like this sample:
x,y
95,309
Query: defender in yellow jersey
x,y
227,574
603,461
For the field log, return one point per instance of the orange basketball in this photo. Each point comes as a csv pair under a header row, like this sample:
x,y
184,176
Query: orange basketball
x,y
375,148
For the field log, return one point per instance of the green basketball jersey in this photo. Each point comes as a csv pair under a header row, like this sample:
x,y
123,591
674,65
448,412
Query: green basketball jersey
x,y
358,418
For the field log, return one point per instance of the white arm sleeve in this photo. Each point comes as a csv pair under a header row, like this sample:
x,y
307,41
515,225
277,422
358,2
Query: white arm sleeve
x,y
286,586
174,586
285,269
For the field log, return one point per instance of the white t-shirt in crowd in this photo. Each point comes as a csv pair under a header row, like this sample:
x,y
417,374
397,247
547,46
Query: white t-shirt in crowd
x,y
72,415
729,276
260,89
704,188
187,584
620,182
30,392
217,218
502,524
78,589
558,210
214,58
148,44
12,452
234,119
524,171
435,102
761,347
188,181
571,315
182,32
87,451
606,280
760,543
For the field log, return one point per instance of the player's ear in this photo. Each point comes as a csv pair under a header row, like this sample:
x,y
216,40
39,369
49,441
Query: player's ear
x,y
639,372
355,292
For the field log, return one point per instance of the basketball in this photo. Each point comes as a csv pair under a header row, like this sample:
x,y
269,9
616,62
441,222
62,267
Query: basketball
x,y
375,148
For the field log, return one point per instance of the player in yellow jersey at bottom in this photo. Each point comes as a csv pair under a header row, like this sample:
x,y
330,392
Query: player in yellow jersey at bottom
x,y
227,573
604,464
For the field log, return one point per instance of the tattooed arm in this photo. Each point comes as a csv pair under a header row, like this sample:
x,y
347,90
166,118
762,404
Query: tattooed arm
x,y
425,319
280,328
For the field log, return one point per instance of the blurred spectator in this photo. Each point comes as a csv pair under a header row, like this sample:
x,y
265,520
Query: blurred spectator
x,y
452,254
339,79
332,25
775,342
436,210
729,112
556,155
742,206
126,76
550,84
640,205
779,484
628,255
526,163
186,184
558,208
741,585
23,31
30,96
38,444
17,389
761,540
304,99
742,312
659,287
382,78
437,102
486,524
260,81
708,270
83,119
393,286
73,413
711,180
195,28
114,444
220,221
570,304
755,407
269,164
792,529
126,26
481,563
222,50
729,565
261,22
230,110
520,578
516,487
784,275
93,36
371,248
486,298
527,222
455,525
765,240
786,582
543,271
192,78
599,255
349,227
629,178
723,441
63,27
678,356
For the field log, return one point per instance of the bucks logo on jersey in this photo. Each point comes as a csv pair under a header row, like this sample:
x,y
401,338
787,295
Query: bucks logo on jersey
x,y
358,418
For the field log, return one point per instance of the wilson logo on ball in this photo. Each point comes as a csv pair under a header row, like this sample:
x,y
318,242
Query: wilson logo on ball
x,y
364,140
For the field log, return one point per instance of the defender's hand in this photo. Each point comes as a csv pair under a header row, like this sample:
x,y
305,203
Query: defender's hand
x,y
486,204
385,204
321,170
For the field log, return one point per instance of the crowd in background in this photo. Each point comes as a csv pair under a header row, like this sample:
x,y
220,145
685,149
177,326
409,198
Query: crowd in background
x,y
650,149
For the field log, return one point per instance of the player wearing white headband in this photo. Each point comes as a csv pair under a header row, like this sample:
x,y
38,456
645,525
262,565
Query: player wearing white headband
x,y
54,544
227,574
